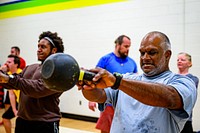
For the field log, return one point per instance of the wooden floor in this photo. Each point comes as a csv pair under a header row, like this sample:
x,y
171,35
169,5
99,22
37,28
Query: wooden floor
x,y
65,122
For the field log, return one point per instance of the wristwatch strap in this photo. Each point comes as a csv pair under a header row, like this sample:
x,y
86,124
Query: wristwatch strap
x,y
118,77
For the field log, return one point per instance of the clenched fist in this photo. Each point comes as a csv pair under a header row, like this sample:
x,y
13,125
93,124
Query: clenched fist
x,y
3,77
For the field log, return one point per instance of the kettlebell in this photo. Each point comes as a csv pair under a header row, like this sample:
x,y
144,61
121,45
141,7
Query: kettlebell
x,y
60,72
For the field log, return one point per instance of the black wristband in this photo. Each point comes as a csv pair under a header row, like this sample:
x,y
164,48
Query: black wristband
x,y
118,77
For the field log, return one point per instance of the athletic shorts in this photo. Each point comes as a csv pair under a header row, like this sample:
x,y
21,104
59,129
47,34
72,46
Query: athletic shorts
x,y
27,126
9,114
7,98
105,120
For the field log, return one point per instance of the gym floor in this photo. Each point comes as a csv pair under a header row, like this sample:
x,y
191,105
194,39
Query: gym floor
x,y
66,125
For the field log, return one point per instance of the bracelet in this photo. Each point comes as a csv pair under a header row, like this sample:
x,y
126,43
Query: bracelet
x,y
118,77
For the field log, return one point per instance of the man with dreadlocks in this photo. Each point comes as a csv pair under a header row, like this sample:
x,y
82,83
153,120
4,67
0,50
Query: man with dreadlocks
x,y
38,111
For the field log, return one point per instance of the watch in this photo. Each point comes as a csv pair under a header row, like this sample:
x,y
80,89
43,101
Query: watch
x,y
118,77
11,76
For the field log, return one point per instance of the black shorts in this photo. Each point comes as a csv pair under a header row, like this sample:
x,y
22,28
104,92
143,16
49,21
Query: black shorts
x,y
187,128
27,126
9,114
7,98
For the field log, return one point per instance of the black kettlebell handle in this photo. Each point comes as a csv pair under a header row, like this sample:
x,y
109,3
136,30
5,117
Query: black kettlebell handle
x,y
86,75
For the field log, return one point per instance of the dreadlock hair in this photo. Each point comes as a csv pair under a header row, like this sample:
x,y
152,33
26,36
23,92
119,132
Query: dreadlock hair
x,y
54,40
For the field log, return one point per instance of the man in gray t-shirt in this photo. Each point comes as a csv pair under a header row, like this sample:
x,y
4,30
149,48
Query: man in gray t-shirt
x,y
133,116
158,101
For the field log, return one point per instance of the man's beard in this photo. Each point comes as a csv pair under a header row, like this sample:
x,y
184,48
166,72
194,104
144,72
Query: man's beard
x,y
122,55
158,69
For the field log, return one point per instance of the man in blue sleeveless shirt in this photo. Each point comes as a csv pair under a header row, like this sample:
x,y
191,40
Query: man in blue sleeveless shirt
x,y
158,101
